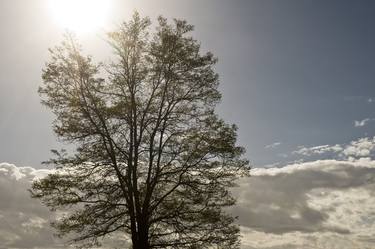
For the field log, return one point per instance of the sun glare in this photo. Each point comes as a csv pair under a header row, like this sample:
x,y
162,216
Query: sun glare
x,y
80,15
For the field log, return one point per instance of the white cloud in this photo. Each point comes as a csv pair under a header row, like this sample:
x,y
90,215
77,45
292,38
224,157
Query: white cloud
x,y
362,122
321,165
360,148
352,210
296,240
344,209
273,145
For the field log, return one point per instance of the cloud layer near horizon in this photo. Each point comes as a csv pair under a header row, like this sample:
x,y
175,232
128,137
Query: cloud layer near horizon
x,y
323,204
24,222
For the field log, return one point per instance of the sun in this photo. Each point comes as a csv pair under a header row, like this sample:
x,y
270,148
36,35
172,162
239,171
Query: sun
x,y
80,15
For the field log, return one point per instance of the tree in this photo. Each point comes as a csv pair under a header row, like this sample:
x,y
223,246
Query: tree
x,y
152,160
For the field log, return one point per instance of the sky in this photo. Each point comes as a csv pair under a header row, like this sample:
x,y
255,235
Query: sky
x,y
297,77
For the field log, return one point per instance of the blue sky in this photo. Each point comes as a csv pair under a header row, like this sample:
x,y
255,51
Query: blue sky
x,y
306,75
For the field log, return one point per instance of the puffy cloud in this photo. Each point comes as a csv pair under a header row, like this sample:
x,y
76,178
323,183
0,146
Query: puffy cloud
x,y
362,147
362,122
273,145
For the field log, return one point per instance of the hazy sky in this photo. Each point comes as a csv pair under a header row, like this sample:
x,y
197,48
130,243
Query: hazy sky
x,y
292,72
297,77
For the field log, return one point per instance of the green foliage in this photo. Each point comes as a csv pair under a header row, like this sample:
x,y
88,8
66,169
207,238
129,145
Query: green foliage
x,y
153,160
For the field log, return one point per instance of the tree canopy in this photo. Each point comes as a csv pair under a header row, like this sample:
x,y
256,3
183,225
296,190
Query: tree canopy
x,y
152,160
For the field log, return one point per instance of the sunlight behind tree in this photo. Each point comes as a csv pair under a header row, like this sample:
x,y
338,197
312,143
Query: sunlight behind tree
x,y
153,160
80,16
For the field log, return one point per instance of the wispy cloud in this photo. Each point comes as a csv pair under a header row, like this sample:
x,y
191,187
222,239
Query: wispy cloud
x,y
283,155
318,150
362,147
362,122
273,145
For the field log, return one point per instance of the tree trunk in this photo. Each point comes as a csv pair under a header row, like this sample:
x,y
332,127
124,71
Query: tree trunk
x,y
142,244
141,240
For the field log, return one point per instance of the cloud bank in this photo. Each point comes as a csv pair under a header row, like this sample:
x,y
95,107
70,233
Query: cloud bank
x,y
322,204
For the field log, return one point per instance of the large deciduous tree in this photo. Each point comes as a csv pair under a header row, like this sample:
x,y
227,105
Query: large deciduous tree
x,y
152,159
